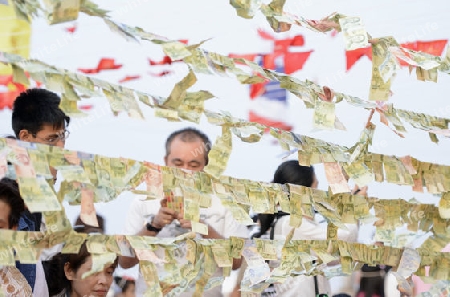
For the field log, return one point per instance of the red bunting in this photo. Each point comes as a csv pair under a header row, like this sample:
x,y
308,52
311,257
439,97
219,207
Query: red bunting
x,y
104,64
14,89
434,47
129,78
165,61
71,29
265,35
295,61
253,117
355,55
85,106
161,74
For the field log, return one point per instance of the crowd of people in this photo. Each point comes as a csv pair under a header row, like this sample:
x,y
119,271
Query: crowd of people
x,y
38,118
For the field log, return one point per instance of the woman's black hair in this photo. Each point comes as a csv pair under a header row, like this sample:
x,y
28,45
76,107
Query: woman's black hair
x,y
54,269
289,172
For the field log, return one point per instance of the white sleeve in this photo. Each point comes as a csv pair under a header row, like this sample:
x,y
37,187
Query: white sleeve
x,y
233,227
135,218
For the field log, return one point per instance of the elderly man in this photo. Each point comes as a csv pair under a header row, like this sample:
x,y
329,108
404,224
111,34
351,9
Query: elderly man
x,y
187,149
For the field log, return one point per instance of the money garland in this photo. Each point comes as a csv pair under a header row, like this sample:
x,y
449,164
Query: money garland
x,y
385,50
201,61
89,178
80,170
86,173
362,166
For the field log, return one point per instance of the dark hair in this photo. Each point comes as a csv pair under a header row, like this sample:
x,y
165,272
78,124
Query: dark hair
x,y
54,269
10,194
85,228
289,172
36,107
189,135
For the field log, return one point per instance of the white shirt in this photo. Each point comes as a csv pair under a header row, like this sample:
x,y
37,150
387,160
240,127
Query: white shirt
x,y
216,216
309,230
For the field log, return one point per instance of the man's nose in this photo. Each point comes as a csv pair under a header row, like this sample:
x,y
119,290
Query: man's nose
x,y
60,143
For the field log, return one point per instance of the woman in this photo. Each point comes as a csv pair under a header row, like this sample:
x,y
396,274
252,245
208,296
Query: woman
x,y
67,271
312,228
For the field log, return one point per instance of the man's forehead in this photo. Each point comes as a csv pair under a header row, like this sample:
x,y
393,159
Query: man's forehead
x,y
192,150
49,128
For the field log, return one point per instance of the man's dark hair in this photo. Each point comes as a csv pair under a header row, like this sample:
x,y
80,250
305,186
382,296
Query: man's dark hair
x,y
36,107
9,193
189,135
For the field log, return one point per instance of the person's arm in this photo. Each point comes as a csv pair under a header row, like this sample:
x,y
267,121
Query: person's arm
x,y
164,217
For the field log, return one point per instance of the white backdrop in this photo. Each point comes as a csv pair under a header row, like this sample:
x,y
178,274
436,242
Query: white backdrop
x,y
196,20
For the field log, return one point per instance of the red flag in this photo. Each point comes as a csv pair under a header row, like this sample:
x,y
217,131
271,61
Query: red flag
x,y
265,35
435,48
72,29
85,106
298,40
161,74
253,117
103,64
281,45
295,61
14,89
129,78
165,61
355,55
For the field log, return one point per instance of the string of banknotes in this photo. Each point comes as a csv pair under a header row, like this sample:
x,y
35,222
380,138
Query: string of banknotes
x,y
92,178
385,53
359,164
89,178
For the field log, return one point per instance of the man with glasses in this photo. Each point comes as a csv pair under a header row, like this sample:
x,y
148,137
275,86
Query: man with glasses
x,y
36,117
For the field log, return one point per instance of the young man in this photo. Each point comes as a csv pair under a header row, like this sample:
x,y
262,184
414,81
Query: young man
x,y
37,117
11,206
187,149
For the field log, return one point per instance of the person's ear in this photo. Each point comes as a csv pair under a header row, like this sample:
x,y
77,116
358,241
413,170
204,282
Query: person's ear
x,y
165,160
70,274
14,227
24,135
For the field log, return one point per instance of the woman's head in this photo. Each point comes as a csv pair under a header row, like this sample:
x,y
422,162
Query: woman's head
x,y
96,284
66,271
290,172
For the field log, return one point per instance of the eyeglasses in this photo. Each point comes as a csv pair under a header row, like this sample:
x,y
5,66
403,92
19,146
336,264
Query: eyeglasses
x,y
51,140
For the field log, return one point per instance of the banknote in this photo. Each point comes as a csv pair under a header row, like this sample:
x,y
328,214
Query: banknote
x,y
63,11
99,261
354,33
335,177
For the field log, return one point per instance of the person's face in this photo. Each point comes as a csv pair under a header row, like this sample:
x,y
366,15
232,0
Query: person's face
x,y
94,285
315,183
186,155
47,135
5,211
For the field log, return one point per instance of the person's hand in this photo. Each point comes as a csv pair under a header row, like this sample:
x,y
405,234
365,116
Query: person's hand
x,y
406,289
360,191
186,224
164,217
